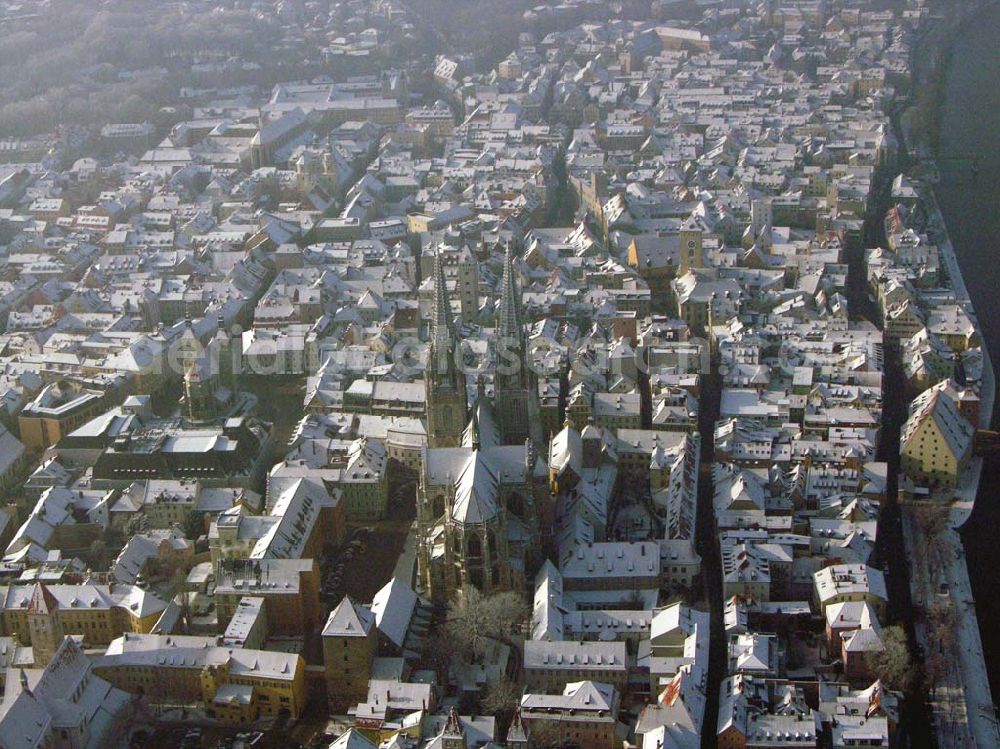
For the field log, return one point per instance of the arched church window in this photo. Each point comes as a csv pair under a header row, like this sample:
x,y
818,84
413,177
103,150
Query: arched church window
x,y
516,504
491,541
474,545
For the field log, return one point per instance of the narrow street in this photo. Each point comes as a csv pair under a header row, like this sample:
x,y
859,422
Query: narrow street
x,y
708,548
890,551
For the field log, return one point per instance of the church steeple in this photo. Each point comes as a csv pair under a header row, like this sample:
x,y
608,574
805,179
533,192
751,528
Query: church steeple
x,y
516,389
444,381
510,306
511,370
442,330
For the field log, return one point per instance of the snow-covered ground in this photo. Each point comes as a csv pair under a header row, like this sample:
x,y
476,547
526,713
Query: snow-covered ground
x,y
961,701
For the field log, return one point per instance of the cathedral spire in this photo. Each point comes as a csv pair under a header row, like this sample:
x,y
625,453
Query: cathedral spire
x,y
510,306
515,387
444,381
441,321
442,353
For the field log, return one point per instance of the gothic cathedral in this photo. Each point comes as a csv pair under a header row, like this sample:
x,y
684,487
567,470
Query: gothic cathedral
x,y
444,381
483,487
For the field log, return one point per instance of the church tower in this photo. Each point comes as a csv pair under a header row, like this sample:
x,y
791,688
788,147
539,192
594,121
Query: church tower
x,y
224,348
516,387
350,644
201,386
44,625
444,381
692,252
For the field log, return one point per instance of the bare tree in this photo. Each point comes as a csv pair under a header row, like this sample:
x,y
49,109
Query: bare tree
x,y
473,619
941,624
933,519
440,652
892,664
546,734
502,698
935,669
136,524
194,525
98,554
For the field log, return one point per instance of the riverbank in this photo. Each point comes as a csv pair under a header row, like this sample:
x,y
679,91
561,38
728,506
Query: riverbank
x,y
970,208
961,695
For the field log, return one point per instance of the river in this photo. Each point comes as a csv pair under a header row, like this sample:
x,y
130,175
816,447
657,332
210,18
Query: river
x,y
970,126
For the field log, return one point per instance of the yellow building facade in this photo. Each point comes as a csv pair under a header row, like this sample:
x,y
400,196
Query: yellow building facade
x,y
235,685
96,613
